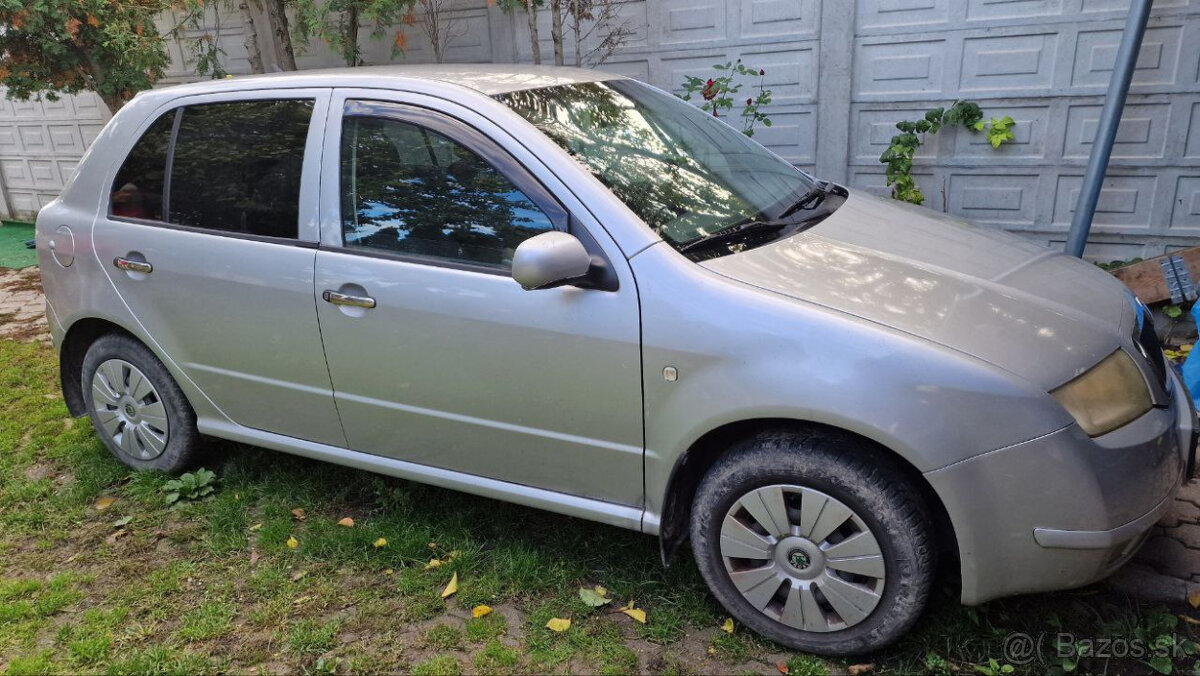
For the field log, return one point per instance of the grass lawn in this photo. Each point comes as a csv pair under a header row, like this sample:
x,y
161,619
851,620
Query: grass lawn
x,y
99,575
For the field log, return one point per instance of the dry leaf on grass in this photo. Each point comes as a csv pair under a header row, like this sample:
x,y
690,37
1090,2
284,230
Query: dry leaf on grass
x,y
381,542
123,521
558,624
480,610
594,597
298,514
256,527
111,539
727,627
451,588
389,571
299,575
1194,599
782,667
636,613
103,502
254,555
347,522
856,669
433,563
292,542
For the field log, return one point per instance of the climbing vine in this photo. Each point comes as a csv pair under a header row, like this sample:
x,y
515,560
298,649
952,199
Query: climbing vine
x,y
899,155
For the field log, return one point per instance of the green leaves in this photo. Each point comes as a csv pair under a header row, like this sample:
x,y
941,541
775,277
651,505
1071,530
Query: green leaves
x,y
718,93
903,147
54,47
191,486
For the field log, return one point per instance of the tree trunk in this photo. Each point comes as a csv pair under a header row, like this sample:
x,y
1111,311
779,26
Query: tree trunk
x,y
531,8
253,53
278,21
556,30
574,8
350,46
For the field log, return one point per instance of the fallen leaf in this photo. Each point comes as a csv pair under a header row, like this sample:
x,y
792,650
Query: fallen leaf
x,y
254,555
388,571
381,542
727,627
480,610
292,542
1194,599
347,522
433,563
636,613
111,539
124,521
298,514
558,624
451,588
856,669
712,650
299,575
594,597
103,502
257,526
782,667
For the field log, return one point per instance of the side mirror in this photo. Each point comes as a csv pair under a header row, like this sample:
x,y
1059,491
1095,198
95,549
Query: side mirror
x,y
550,259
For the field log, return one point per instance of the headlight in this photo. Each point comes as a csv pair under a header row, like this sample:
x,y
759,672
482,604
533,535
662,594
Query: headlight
x,y
1109,395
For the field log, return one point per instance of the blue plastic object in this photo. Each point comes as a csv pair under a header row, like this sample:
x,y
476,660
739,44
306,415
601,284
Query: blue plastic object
x,y
1191,366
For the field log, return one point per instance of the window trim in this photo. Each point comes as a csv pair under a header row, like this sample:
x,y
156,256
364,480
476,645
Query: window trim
x,y
316,121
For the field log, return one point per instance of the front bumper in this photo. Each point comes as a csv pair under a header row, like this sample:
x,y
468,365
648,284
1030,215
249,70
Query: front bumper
x,y
1064,510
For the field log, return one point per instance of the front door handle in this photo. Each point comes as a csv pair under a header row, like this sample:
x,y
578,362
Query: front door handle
x,y
130,265
337,298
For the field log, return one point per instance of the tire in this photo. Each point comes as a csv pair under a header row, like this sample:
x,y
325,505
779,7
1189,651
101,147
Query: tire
x,y
795,590
136,407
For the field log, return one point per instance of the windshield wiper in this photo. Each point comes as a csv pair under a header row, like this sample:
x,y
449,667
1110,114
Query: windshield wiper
x,y
733,234
819,191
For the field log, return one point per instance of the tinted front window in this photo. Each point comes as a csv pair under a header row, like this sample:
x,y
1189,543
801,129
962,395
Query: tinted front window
x,y
683,172
413,191
237,167
137,191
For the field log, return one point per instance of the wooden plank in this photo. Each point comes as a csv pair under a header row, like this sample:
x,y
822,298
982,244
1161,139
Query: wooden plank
x,y
1145,278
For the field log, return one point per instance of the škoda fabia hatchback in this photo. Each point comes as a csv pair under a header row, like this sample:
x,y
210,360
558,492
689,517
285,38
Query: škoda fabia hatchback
x,y
570,290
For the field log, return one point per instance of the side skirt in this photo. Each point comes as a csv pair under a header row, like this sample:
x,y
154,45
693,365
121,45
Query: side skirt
x,y
552,501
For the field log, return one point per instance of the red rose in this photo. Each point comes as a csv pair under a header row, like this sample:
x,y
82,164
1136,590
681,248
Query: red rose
x,y
749,101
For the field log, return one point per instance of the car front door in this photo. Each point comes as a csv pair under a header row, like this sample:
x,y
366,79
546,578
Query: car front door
x,y
453,365
206,239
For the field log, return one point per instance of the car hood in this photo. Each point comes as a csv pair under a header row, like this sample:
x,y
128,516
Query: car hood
x,y
1018,305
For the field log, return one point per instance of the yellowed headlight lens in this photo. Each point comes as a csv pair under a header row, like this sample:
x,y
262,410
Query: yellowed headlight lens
x,y
1109,395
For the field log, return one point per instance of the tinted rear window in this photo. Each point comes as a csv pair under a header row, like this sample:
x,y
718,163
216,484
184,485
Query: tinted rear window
x,y
137,191
237,167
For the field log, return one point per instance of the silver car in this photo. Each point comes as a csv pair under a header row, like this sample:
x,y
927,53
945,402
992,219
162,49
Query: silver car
x,y
570,290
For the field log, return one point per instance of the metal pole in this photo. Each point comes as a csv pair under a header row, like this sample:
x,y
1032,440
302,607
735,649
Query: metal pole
x,y
1106,132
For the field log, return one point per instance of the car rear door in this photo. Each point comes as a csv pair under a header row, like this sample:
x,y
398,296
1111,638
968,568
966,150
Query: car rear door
x,y
207,240
453,365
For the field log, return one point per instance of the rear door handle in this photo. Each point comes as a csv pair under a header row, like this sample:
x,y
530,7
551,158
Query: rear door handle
x,y
337,298
130,265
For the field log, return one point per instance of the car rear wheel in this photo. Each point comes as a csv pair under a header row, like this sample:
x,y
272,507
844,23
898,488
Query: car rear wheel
x,y
135,406
815,540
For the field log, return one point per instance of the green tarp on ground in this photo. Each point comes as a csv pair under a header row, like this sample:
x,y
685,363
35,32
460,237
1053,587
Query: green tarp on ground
x,y
13,254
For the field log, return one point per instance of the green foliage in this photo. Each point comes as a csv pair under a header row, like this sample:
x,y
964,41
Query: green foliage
x,y
53,47
190,486
205,47
337,23
994,668
1173,311
718,93
899,155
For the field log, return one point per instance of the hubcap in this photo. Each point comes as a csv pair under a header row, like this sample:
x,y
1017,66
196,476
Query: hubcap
x,y
802,558
129,410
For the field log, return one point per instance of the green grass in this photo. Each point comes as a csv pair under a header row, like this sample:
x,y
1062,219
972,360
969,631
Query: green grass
x,y
213,587
13,253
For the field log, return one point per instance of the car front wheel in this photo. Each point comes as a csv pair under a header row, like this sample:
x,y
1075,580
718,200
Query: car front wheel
x,y
815,540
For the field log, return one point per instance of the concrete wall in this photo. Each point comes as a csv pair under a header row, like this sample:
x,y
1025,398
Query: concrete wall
x,y
843,72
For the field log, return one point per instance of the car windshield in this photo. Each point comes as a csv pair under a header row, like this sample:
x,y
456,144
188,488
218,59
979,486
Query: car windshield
x,y
685,173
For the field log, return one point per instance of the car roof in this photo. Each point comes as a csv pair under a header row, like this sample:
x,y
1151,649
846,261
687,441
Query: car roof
x,y
487,79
